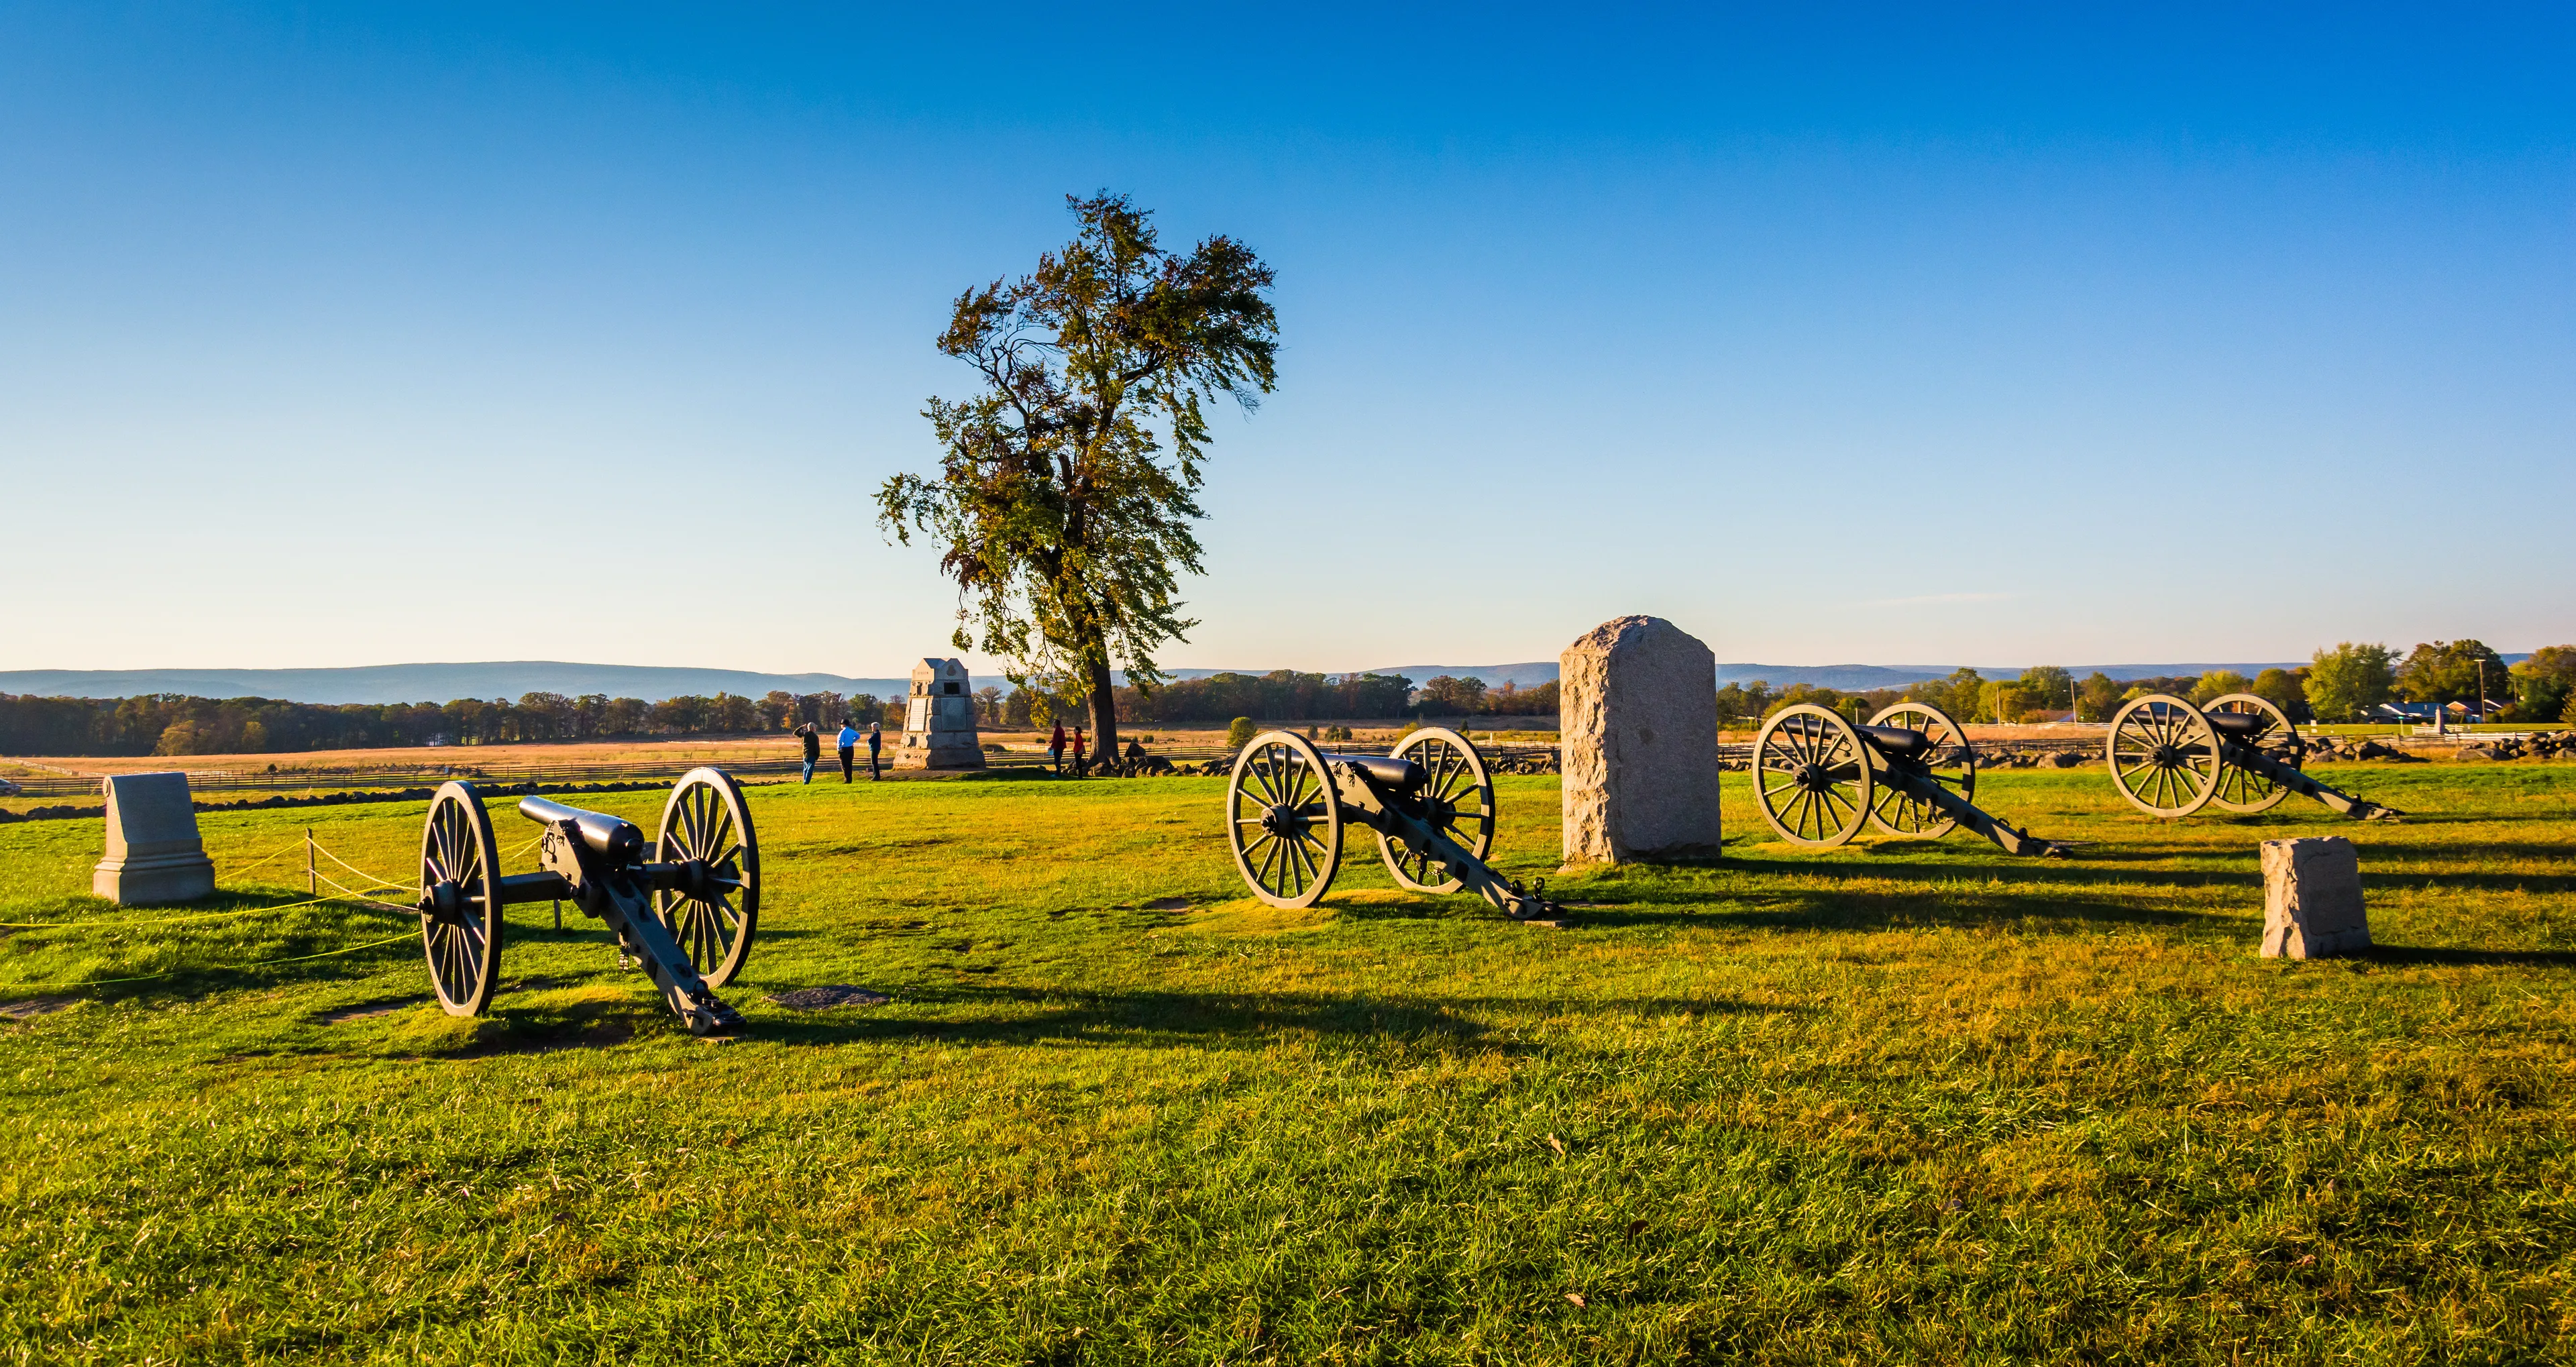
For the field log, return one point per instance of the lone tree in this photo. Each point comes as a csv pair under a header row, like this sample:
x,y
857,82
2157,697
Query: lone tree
x,y
2453,671
1067,486
2346,682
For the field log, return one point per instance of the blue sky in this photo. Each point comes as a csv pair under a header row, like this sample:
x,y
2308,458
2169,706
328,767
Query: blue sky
x,y
333,335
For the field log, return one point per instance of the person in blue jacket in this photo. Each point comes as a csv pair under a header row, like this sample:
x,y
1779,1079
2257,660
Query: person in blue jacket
x,y
849,743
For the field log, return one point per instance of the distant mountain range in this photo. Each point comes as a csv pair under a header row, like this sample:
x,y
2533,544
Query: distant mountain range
x,y
509,679
430,682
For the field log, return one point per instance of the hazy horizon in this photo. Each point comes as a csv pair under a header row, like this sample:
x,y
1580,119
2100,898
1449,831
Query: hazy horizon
x,y
440,681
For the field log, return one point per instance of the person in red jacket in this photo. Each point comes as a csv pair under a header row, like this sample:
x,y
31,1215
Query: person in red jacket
x,y
1077,752
1055,748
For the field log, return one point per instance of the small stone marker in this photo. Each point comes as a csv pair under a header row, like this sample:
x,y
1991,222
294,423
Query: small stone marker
x,y
153,853
1638,702
2312,899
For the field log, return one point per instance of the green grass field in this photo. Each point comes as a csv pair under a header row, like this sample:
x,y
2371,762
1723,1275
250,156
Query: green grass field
x,y
1906,1101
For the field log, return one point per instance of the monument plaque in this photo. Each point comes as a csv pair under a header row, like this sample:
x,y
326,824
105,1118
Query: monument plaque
x,y
153,853
1638,708
939,719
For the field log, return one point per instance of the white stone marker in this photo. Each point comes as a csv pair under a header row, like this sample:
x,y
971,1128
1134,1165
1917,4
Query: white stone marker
x,y
939,719
153,853
2312,899
1637,704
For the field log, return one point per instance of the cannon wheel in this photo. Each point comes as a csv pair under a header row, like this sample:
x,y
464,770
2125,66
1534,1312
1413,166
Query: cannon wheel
x,y
1952,760
2164,755
2243,790
1811,776
460,900
1459,792
705,822
1283,820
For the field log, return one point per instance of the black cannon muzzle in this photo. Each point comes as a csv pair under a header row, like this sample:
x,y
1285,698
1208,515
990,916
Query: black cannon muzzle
x,y
1394,775
613,836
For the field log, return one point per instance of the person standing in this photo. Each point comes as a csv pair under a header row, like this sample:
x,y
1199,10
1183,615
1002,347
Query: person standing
x,y
848,740
1077,752
1055,750
813,747
876,741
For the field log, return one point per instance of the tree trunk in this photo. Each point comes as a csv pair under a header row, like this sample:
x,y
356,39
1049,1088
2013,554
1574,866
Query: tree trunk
x,y
1104,714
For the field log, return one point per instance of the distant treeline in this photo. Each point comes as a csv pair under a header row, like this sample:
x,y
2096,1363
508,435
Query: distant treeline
x,y
171,724
2342,683
1285,695
2037,694
1280,695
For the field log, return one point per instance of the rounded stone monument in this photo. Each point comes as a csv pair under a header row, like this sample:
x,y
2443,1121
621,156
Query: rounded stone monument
x,y
1637,702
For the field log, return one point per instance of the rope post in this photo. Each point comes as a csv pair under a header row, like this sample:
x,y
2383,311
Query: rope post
x,y
312,878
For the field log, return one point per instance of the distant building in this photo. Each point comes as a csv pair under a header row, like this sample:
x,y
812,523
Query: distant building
x,y
2437,714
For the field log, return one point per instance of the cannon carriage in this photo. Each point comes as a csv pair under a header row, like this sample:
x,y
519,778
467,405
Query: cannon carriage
x,y
2239,753
685,906
1430,804
1819,777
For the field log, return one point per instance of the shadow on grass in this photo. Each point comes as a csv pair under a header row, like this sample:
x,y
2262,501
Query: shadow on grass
x,y
2091,865
2474,851
197,982
1870,894
1927,909
1236,1019
2429,957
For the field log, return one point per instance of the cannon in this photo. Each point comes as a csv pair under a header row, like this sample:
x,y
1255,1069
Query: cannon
x,y
2170,758
685,907
1431,803
1909,771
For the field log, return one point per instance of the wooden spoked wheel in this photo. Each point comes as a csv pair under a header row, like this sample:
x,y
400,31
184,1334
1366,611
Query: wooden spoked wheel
x,y
1812,776
1951,761
1460,796
2243,790
2164,755
460,900
715,909
1283,820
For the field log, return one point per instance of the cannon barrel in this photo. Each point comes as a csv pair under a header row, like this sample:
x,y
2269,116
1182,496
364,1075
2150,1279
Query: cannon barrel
x,y
1399,775
613,836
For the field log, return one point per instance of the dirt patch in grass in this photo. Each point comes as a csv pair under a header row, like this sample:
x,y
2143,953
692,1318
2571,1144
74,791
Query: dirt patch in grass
x,y
365,1010
825,998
